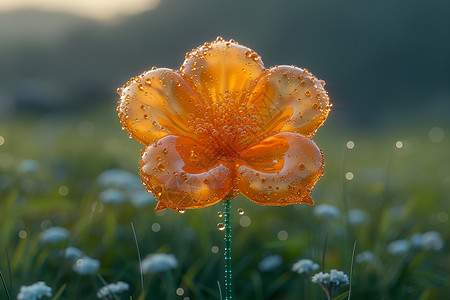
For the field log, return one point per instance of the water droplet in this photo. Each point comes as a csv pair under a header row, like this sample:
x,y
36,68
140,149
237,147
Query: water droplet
x,y
181,210
165,151
158,157
145,116
154,123
148,81
220,226
141,87
301,166
161,167
240,211
219,214
308,93
206,181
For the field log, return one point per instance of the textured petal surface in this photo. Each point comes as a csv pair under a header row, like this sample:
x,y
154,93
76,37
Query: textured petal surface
x,y
156,104
280,170
222,68
184,174
290,99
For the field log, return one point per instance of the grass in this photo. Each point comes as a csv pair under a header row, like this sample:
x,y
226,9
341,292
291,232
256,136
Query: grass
x,y
404,191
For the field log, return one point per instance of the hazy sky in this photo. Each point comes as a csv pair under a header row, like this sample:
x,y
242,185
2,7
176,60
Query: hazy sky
x,y
96,9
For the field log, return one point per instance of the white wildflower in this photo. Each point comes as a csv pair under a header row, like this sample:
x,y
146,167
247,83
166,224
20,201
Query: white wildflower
x,y
159,262
320,277
329,281
72,253
113,289
111,196
398,247
431,240
86,265
118,178
142,198
270,263
54,235
34,291
365,256
327,211
28,166
305,266
338,277
358,217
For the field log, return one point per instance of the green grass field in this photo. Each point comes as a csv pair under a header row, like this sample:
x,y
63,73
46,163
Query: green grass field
x,y
403,191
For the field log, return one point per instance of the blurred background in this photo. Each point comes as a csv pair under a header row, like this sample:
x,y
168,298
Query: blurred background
x,y
386,142
384,62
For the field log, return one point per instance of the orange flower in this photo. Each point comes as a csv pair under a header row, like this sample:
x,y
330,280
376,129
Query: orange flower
x,y
225,124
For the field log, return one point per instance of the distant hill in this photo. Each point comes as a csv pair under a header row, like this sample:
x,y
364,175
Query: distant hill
x,y
39,27
379,59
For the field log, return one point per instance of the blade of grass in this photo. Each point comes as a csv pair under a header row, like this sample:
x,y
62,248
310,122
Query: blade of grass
x,y
220,290
60,291
5,287
139,256
351,272
324,252
10,273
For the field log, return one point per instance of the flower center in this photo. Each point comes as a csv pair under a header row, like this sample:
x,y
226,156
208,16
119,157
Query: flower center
x,y
228,124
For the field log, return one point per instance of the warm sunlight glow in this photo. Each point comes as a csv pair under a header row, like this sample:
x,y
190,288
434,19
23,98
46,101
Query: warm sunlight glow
x,y
96,9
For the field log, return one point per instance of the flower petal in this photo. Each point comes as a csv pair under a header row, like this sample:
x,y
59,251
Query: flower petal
x,y
182,173
222,67
156,104
290,99
280,170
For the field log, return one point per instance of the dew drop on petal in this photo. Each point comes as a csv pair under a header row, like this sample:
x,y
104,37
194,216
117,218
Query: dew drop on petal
x,y
181,211
240,211
220,226
219,214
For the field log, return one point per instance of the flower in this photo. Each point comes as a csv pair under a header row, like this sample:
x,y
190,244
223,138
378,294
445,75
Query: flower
x,y
365,256
358,217
72,253
329,281
327,211
398,247
28,166
334,277
54,235
159,262
112,196
34,291
305,266
270,263
86,265
141,198
116,178
431,240
113,289
225,124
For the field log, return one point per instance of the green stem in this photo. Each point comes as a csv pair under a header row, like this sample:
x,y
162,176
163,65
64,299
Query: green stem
x,y
227,253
